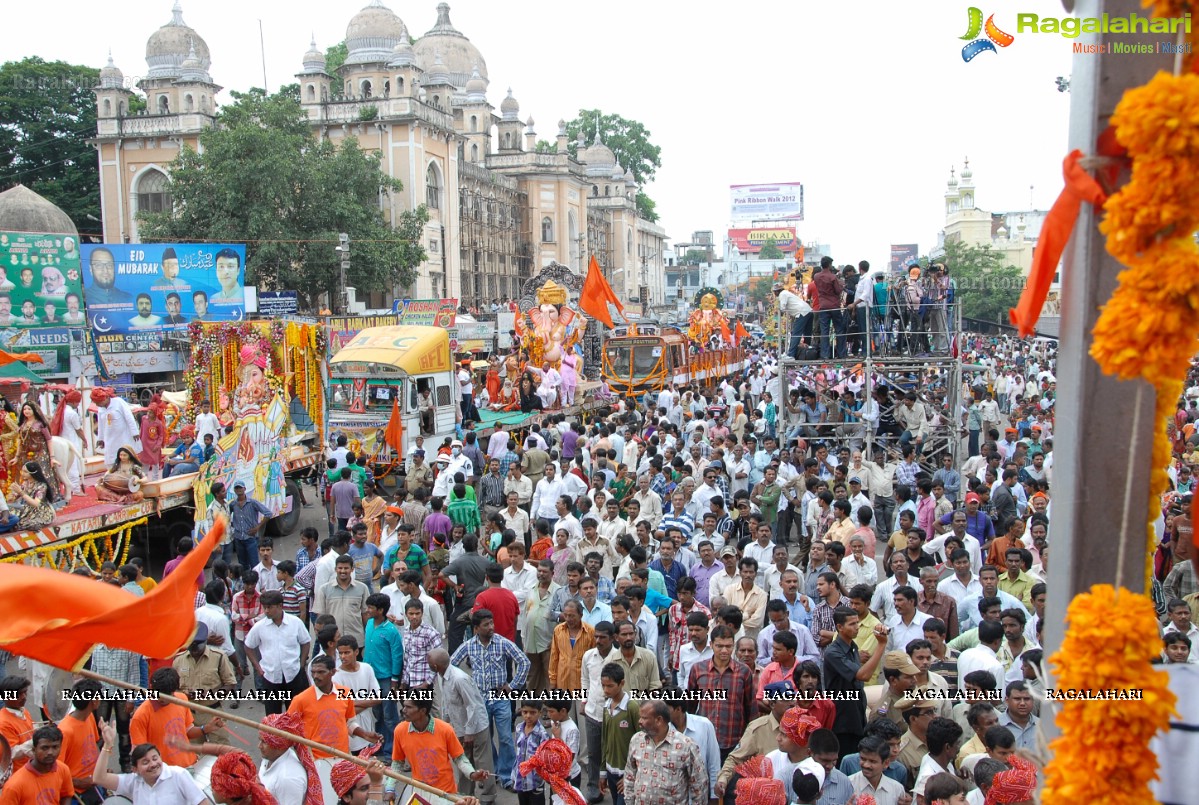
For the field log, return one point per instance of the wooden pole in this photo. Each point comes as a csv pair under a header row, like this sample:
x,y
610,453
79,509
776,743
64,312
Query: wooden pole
x,y
278,733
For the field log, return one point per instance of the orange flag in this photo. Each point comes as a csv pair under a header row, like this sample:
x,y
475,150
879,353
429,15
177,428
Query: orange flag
x,y
725,336
58,617
394,435
740,332
596,294
12,357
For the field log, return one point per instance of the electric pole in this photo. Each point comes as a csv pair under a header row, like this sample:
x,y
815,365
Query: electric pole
x,y
343,241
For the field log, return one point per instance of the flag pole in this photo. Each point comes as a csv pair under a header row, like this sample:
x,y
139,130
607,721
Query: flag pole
x,y
278,733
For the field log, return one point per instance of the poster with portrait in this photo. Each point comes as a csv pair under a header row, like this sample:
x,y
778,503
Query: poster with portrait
x,y
148,288
40,283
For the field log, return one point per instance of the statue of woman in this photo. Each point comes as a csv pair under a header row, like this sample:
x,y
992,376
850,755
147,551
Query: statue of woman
x,y
32,497
121,483
33,440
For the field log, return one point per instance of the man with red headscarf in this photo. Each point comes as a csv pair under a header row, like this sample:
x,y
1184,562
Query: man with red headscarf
x,y
116,425
68,424
1014,786
288,770
153,432
235,782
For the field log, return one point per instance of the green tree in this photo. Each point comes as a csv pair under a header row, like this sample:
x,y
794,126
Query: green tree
x,y
986,286
47,115
261,178
335,56
770,251
629,141
695,256
544,147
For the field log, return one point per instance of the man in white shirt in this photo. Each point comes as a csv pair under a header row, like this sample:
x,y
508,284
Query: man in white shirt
x,y
549,489
907,624
963,584
984,656
520,578
277,647
594,660
212,615
208,423
282,772
651,502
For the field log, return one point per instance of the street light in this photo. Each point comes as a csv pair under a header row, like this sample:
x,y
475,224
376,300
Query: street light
x,y
343,247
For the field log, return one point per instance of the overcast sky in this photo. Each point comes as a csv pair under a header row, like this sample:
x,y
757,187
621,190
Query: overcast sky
x,y
868,104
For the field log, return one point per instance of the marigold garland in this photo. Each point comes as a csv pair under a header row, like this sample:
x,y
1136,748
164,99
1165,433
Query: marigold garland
x,y
86,543
1103,753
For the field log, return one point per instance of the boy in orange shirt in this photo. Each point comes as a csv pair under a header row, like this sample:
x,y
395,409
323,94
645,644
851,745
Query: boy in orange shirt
x,y
161,722
81,738
420,737
327,714
15,724
44,778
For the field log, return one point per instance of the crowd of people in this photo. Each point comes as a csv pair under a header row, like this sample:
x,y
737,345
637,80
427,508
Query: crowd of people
x,y
692,596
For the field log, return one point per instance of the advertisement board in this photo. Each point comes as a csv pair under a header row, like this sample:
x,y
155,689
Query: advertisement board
x,y
902,254
278,303
149,288
53,344
751,241
40,282
767,202
427,312
342,329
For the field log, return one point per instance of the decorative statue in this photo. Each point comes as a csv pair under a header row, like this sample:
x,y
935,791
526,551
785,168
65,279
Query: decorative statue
x,y
706,320
253,392
551,330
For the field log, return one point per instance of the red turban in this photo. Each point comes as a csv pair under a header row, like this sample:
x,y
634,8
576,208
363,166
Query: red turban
x,y
187,432
253,354
290,722
552,762
1015,784
757,785
73,397
798,725
100,395
234,777
345,776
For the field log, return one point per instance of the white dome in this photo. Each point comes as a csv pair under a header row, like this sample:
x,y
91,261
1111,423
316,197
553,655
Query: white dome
x,y
169,46
314,59
436,75
599,159
192,70
510,107
373,33
402,55
629,178
459,57
476,87
111,76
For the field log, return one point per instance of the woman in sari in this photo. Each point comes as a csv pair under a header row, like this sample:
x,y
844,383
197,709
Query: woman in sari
x,y
373,508
32,498
118,484
740,421
8,442
33,440
153,433
622,485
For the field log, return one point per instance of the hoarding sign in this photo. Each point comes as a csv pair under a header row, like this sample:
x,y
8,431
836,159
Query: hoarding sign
x,y
427,312
903,254
751,241
278,303
53,344
155,287
39,280
342,329
767,202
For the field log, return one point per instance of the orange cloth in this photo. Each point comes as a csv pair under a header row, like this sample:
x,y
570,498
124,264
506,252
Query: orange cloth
x,y
16,730
1055,233
27,787
57,617
80,749
566,661
12,357
325,719
596,294
153,723
431,754
394,435
740,332
540,549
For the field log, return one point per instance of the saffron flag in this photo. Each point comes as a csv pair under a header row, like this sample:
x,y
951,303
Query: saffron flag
x,y
740,332
394,435
596,294
725,335
12,357
58,617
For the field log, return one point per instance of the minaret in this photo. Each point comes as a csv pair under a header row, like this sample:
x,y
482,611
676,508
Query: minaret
x,y
316,85
112,96
510,125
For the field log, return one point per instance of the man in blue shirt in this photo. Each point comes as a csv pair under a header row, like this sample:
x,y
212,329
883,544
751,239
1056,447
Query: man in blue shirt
x,y
188,456
246,518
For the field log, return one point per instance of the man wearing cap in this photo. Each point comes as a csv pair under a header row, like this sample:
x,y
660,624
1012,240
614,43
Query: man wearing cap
x,y
246,518
420,476
916,714
800,313
205,675
459,463
978,524
899,677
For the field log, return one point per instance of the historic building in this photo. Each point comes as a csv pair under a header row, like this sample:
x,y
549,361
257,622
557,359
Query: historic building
x,y
1013,234
499,208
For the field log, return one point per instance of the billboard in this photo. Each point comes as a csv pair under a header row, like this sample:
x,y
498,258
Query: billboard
x,y
427,312
278,303
751,241
902,254
148,288
767,202
39,283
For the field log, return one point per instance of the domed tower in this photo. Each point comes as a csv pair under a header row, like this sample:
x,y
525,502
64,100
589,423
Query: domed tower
x,y
167,50
459,56
599,164
371,38
316,85
475,118
439,89
405,74
951,194
967,186
112,96
509,127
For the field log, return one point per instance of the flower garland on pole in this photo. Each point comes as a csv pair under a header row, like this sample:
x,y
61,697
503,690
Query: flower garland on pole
x,y
1147,330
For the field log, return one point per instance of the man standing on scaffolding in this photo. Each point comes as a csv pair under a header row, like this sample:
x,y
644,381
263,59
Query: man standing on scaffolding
x,y
937,289
829,291
800,313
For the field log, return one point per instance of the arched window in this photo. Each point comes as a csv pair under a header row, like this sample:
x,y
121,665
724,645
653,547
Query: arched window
x,y
189,103
348,91
507,139
433,187
164,105
437,100
474,153
386,89
474,123
630,246
203,103
547,230
400,84
311,93
366,88
107,107
607,190
594,190
153,192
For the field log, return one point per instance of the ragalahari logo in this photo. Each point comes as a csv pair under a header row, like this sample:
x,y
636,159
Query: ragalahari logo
x,y
978,45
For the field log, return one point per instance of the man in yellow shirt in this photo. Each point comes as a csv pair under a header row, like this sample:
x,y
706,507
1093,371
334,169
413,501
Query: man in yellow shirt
x,y
867,643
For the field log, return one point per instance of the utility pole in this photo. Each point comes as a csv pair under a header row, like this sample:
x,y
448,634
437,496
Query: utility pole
x,y
343,247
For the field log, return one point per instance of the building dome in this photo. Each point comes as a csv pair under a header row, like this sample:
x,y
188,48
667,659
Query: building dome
x,y
618,174
191,69
953,179
314,59
437,74
111,76
510,107
599,159
459,56
476,87
967,174
169,46
629,178
373,34
22,210
402,54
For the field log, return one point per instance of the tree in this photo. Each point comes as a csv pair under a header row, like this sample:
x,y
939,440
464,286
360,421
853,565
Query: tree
x,y
335,56
694,257
985,285
261,178
544,147
770,251
629,141
47,115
